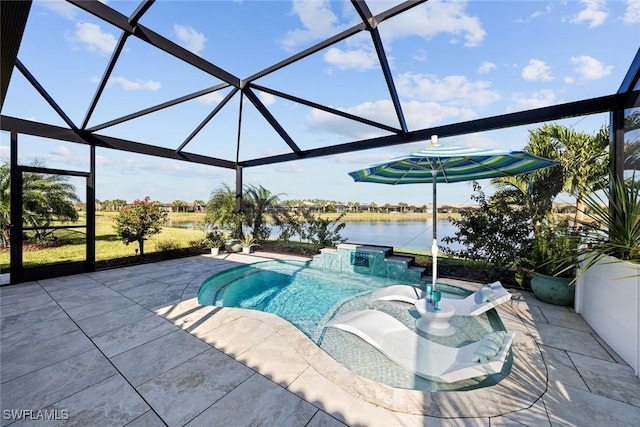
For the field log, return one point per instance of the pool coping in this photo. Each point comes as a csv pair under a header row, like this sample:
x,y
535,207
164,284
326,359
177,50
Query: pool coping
x,y
520,390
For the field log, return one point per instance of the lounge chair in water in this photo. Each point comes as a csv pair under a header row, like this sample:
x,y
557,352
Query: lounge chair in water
x,y
422,356
488,297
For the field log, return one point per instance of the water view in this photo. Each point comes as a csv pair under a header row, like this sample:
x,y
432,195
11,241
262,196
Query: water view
x,y
408,235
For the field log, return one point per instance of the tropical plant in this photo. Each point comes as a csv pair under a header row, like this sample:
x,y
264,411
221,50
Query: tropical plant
x,y
322,231
494,233
214,239
46,198
221,211
554,248
248,241
612,223
258,202
136,223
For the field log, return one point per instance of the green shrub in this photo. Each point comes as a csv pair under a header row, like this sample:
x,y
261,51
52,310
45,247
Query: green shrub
x,y
167,245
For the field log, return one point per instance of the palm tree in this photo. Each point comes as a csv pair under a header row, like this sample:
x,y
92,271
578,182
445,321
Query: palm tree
x,y
221,211
45,198
583,167
258,201
585,161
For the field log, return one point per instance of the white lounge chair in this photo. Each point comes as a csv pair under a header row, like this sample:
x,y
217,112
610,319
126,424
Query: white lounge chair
x,y
488,297
424,357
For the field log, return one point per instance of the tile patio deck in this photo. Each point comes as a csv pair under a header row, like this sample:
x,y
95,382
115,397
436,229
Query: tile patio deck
x,y
131,346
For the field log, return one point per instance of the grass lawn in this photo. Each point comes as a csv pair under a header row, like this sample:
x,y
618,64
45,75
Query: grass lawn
x,y
107,244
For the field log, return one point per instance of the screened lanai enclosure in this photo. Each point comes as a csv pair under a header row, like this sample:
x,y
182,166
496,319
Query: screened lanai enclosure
x,y
246,104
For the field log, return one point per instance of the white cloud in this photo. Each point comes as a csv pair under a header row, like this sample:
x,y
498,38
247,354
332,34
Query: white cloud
x,y
127,84
590,68
417,114
210,98
266,98
632,14
61,7
456,90
594,13
60,150
93,38
289,168
524,101
318,22
537,71
358,59
486,67
190,39
420,55
433,18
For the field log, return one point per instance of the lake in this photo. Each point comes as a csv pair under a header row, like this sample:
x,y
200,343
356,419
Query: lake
x,y
399,234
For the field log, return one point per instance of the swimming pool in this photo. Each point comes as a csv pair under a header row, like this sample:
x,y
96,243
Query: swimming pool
x,y
309,297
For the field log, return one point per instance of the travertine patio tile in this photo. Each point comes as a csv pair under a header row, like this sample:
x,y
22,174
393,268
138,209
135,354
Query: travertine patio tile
x,y
534,416
608,379
98,306
150,270
570,340
148,419
183,392
48,312
66,282
22,305
568,406
27,288
560,316
561,369
107,277
118,405
275,359
130,282
205,319
10,295
171,294
119,340
237,336
31,356
36,332
271,405
149,287
313,387
179,278
95,325
182,309
322,419
142,363
69,300
53,383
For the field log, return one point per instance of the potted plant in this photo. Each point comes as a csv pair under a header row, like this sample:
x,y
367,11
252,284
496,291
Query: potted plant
x,y
214,240
608,280
247,243
554,259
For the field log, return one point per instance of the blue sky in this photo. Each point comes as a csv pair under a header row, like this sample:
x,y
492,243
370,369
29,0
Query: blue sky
x,y
451,61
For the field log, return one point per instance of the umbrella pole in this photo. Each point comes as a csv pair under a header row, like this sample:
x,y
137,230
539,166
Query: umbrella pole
x,y
434,244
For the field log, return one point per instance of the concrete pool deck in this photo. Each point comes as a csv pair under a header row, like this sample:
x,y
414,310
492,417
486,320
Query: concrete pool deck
x,y
131,346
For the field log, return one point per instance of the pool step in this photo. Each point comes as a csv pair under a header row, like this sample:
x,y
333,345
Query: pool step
x,y
370,260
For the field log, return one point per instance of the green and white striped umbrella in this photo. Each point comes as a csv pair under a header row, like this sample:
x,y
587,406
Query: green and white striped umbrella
x,y
445,164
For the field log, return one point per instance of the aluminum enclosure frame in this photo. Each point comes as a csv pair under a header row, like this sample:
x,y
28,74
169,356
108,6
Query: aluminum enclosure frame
x,y
14,17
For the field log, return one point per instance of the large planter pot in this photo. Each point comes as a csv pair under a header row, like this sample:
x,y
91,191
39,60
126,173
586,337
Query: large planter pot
x,y
215,251
608,298
551,289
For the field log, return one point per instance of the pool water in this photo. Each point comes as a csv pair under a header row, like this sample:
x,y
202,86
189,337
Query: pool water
x,y
309,297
